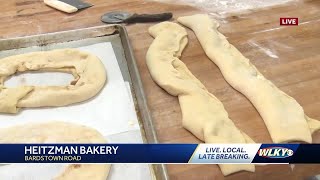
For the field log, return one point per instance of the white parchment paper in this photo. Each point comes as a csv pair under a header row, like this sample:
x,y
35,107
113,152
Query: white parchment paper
x,y
111,112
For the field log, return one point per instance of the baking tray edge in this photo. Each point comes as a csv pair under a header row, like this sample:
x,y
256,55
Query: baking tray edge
x,y
160,169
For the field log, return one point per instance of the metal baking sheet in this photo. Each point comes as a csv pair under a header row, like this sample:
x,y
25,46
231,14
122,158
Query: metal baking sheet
x,y
117,35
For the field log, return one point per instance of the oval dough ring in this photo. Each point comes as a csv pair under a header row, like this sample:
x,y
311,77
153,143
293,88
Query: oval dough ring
x,y
87,69
60,132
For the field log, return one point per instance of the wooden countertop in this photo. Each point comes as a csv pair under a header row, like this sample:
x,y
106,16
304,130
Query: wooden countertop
x,y
288,56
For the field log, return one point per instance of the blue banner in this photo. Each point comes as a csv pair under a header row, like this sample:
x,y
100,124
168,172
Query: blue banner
x,y
160,153
306,153
96,153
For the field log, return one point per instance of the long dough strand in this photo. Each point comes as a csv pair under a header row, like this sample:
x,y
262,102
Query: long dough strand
x,y
202,113
283,116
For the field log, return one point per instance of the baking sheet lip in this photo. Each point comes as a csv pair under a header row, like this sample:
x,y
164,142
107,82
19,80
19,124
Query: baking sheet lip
x,y
122,30
139,82
58,32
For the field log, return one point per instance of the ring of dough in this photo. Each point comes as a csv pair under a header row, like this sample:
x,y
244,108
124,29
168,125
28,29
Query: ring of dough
x,y
87,69
60,132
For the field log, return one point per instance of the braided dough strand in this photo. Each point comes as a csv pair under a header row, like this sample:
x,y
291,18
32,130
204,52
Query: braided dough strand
x,y
202,113
283,116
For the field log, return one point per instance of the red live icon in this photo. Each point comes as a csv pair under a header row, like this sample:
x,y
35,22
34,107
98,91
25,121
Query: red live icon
x,y
289,21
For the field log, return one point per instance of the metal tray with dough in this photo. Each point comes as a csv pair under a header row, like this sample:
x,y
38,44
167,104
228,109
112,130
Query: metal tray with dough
x,y
118,37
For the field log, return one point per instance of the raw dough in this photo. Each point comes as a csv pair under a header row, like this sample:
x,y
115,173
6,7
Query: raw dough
x,y
283,116
87,69
60,132
202,113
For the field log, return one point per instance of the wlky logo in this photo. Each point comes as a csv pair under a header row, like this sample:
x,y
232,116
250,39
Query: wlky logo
x,y
275,152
